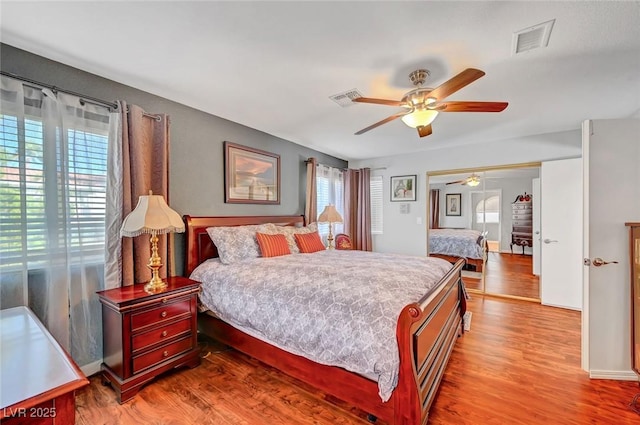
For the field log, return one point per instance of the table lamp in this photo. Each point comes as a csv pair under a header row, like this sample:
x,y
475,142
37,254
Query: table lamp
x,y
153,216
330,215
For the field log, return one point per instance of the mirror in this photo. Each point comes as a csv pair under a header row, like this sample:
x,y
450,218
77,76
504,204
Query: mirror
x,y
488,215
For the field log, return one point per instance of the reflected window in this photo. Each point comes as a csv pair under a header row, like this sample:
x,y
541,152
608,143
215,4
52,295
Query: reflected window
x,y
488,210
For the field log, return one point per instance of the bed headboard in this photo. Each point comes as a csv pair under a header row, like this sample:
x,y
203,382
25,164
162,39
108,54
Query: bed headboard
x,y
199,246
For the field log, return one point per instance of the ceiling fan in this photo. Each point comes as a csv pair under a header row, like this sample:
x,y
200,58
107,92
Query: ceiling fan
x,y
473,180
422,104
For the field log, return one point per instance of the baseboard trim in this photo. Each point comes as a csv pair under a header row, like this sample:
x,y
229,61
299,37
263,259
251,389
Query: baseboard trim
x,y
91,368
616,375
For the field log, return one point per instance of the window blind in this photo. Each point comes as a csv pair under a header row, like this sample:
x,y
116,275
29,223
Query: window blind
x,y
375,187
29,174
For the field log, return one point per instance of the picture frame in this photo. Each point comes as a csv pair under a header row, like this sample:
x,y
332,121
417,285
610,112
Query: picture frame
x,y
403,188
454,204
252,176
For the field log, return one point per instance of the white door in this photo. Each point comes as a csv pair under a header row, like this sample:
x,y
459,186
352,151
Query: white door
x,y
536,226
611,154
561,233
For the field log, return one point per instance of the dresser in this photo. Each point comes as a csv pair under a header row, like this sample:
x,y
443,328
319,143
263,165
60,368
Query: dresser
x,y
147,334
634,252
522,221
38,379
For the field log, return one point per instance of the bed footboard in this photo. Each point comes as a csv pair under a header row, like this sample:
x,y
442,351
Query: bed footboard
x,y
426,334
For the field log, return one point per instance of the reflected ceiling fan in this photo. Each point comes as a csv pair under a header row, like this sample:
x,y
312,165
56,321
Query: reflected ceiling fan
x,y
473,180
422,104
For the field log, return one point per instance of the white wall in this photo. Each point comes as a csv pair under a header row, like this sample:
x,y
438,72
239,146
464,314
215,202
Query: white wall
x,y
406,233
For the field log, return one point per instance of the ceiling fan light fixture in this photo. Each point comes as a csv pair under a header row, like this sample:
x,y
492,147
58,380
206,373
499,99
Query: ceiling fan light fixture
x,y
420,118
473,182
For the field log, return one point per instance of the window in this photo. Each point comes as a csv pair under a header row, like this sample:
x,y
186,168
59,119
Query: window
x,y
330,190
375,188
32,173
488,210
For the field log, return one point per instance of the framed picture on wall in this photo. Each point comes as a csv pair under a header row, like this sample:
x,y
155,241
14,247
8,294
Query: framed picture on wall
x,y
454,204
403,188
251,176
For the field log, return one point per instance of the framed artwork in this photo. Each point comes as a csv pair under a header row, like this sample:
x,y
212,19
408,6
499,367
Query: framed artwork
x,y
454,204
403,188
251,176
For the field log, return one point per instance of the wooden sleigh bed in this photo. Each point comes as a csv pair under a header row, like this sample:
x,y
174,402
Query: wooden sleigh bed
x,y
426,333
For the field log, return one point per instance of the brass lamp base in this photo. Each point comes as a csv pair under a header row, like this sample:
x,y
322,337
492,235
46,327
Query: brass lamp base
x,y
330,239
155,263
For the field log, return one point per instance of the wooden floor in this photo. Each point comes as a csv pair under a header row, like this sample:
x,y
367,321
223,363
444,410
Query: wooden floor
x,y
508,274
519,364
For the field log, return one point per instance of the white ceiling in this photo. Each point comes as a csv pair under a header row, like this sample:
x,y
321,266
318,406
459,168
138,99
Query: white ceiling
x,y
273,65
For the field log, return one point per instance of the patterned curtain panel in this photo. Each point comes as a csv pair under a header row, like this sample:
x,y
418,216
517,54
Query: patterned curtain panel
x,y
357,216
143,166
311,205
434,208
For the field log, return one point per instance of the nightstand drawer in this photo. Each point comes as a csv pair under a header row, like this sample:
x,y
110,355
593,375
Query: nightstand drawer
x,y
163,313
161,354
161,334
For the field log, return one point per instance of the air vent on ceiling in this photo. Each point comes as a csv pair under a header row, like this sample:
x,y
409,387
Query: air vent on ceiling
x,y
344,99
532,37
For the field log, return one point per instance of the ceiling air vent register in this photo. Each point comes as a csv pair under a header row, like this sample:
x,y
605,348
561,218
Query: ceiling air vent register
x,y
345,99
532,38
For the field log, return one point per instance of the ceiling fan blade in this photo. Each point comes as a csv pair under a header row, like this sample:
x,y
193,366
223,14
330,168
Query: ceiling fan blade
x,y
451,86
458,182
379,123
424,130
378,101
465,106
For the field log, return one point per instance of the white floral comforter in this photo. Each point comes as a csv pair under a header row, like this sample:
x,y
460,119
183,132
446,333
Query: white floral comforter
x,y
337,308
465,243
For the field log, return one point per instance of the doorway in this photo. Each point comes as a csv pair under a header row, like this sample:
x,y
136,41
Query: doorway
x,y
486,197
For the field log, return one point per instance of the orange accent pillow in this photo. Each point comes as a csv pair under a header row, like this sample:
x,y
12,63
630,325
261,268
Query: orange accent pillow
x,y
272,245
309,242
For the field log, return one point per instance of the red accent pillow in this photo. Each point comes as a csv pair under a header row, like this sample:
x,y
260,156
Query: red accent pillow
x,y
309,242
272,245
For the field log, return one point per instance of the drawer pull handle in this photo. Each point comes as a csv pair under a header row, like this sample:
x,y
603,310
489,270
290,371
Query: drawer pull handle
x,y
164,333
164,301
163,314
165,353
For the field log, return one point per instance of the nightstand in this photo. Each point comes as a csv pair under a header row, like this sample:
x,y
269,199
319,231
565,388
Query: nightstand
x,y
145,334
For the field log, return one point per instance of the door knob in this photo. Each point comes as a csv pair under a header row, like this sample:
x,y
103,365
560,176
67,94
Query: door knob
x,y
597,262
549,240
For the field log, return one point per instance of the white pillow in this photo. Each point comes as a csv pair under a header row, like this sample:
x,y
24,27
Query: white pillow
x,y
289,231
238,243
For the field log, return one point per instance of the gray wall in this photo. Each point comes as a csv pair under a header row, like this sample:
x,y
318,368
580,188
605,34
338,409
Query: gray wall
x,y
196,176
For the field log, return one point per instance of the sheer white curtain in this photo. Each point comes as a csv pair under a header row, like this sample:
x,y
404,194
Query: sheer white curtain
x,y
53,168
330,190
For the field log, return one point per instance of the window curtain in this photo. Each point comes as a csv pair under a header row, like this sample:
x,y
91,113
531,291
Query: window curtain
x,y
434,208
53,160
139,163
311,204
330,190
357,217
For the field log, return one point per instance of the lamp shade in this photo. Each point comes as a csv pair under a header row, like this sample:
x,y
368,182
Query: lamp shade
x,y
420,117
330,215
152,215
